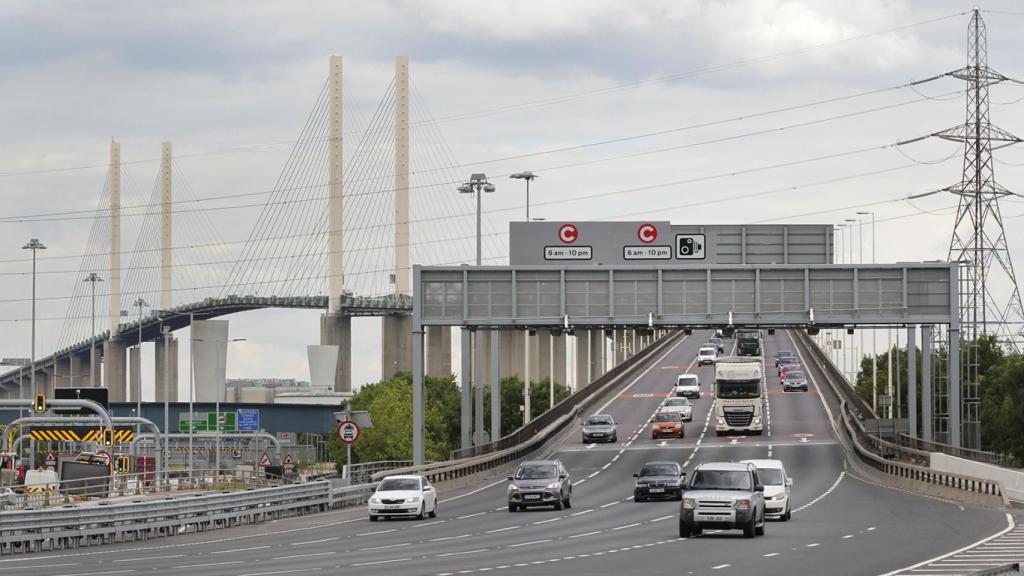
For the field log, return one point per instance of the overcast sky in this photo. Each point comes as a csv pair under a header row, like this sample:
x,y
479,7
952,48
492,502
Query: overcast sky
x,y
231,83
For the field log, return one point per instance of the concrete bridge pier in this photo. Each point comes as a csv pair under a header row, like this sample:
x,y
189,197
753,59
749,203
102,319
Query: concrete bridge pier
x,y
169,386
582,358
512,353
336,330
395,345
115,359
62,372
439,351
558,374
135,372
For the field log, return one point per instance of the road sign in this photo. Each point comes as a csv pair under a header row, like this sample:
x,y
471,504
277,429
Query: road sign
x,y
348,431
690,246
288,464
265,461
51,460
647,233
884,400
248,419
197,425
567,233
226,422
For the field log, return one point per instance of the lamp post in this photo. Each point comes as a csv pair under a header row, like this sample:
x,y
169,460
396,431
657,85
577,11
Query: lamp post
x,y
477,183
874,334
34,245
528,176
92,279
853,356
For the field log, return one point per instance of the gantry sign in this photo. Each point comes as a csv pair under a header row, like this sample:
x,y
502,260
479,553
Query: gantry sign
x,y
669,294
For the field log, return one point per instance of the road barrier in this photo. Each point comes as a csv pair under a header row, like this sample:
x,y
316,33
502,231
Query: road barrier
x,y
905,467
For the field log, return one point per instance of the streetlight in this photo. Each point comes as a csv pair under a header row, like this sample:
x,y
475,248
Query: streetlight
x,y
874,334
853,357
477,183
34,245
528,176
92,279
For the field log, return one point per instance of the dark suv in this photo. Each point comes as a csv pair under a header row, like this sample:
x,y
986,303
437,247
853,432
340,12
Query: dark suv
x,y
723,495
540,483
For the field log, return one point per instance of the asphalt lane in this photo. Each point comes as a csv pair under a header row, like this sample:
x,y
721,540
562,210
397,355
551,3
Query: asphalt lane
x,y
840,525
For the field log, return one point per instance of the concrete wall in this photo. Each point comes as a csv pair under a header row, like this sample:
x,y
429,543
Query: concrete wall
x,y
395,345
337,331
172,357
1013,480
439,351
209,358
115,363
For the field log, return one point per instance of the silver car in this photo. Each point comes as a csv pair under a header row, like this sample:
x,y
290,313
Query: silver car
x,y
540,483
678,405
723,495
599,428
795,380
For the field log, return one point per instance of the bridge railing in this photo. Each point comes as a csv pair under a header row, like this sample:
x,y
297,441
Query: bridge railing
x,y
987,457
906,466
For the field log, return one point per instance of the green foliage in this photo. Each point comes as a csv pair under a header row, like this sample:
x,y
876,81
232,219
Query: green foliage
x,y
512,400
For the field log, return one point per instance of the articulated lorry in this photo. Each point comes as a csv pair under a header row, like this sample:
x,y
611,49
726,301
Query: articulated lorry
x,y
739,395
748,342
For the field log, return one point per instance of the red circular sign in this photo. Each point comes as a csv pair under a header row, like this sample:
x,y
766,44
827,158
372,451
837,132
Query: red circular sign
x,y
348,432
647,233
568,233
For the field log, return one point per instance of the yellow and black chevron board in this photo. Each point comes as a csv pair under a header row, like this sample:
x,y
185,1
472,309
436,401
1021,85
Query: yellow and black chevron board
x,y
78,434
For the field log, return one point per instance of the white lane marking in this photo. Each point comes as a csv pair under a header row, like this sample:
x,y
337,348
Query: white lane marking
x,y
308,542
813,545
594,474
641,375
240,550
847,536
382,547
633,525
440,521
770,554
463,553
379,562
147,558
1009,526
306,555
496,530
450,538
870,528
527,543
283,572
588,511
720,566
548,520
823,495
42,566
98,573
377,532
470,516
663,518
609,504
208,564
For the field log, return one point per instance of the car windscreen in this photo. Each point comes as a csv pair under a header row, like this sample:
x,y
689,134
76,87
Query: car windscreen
x,y
599,420
795,375
677,402
707,351
738,389
687,381
770,476
536,472
785,354
391,484
721,480
666,417
659,470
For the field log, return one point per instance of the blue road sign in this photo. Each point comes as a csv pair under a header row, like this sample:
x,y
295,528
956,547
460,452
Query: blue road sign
x,y
248,419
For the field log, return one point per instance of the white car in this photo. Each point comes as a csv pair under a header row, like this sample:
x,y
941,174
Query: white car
x,y
777,486
403,496
679,406
707,355
687,385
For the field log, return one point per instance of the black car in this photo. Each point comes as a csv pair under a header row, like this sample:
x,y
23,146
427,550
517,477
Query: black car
x,y
718,344
785,354
658,481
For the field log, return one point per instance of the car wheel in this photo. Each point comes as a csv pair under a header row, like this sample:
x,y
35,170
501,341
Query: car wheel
x,y
788,514
749,529
568,502
433,512
759,530
512,507
638,498
684,530
373,518
558,504
423,509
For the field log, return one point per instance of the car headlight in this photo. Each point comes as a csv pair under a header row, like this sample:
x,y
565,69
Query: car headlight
x,y
641,483
689,503
757,420
374,500
553,486
742,504
721,421
413,499
673,483
513,488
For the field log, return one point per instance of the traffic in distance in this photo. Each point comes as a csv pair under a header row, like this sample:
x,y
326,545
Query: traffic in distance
x,y
718,495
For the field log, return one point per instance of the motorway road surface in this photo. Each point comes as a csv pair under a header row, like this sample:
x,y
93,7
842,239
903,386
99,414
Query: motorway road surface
x,y
840,525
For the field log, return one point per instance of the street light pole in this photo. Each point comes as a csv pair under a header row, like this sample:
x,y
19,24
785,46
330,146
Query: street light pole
x,y
92,279
853,356
874,333
477,183
528,176
34,245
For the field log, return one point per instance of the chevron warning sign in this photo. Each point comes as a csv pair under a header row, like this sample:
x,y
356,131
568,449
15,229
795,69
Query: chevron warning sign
x,y
79,434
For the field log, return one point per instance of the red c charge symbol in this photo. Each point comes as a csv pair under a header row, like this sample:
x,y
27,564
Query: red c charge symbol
x,y
568,233
647,233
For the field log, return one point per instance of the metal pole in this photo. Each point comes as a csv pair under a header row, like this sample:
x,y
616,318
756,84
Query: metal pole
x,y
912,379
551,369
874,371
888,382
466,393
528,199
191,386
92,340
526,375
167,387
32,376
479,204
926,383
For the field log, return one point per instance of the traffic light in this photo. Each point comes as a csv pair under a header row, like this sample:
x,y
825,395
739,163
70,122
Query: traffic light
x,y
108,437
39,405
123,464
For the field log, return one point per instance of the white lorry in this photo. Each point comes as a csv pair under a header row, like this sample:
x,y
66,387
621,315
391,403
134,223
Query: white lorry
x,y
739,395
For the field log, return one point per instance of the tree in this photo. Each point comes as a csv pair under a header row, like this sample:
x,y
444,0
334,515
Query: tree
x,y
512,399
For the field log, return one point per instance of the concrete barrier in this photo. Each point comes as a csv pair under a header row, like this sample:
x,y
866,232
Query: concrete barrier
x,y
1012,480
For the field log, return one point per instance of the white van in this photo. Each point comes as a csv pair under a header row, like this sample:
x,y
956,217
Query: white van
x,y
44,479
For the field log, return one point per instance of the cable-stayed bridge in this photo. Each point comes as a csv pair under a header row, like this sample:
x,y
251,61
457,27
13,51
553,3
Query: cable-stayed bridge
x,y
361,198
